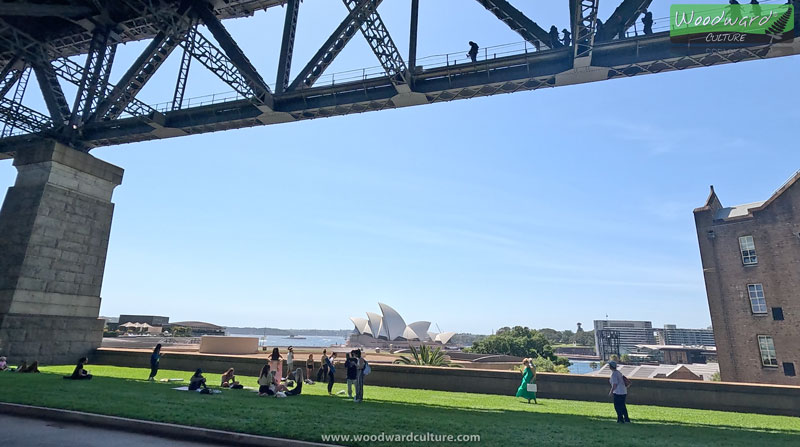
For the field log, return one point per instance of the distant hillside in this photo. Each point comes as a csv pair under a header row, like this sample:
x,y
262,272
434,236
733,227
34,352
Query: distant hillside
x,y
275,331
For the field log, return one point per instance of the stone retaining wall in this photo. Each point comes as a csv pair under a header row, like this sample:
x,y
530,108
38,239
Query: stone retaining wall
x,y
747,398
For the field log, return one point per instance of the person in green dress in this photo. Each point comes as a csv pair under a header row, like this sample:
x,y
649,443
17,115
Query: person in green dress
x,y
528,376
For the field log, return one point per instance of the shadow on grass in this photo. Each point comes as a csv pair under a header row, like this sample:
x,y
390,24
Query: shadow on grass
x,y
309,416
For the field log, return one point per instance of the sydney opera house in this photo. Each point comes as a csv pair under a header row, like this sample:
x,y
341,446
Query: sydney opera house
x,y
390,328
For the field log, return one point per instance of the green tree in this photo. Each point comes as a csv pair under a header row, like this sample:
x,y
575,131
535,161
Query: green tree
x,y
426,356
625,358
181,331
518,341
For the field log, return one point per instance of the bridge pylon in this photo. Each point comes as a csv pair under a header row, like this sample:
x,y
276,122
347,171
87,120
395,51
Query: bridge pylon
x,y
55,224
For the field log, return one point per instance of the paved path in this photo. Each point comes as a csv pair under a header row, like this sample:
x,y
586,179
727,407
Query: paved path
x,y
17,431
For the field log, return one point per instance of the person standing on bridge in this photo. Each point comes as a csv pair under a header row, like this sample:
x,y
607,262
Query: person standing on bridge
x,y
473,51
599,31
647,21
555,40
567,37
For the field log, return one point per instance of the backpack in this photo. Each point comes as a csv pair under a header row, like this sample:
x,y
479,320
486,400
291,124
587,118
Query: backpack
x,y
626,381
367,368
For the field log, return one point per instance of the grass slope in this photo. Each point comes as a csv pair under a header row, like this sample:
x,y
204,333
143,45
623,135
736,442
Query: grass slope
x,y
499,420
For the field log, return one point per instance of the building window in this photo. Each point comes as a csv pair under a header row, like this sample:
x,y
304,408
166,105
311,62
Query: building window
x,y
748,248
767,347
757,302
788,368
777,313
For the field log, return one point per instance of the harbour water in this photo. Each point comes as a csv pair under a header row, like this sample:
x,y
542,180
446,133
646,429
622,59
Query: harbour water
x,y
582,366
316,341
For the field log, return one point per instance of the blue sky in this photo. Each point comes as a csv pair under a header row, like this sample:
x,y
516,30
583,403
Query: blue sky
x,y
471,214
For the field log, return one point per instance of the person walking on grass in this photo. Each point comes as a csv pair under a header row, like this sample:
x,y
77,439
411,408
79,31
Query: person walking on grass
x,y
290,362
155,358
322,374
331,371
360,365
619,390
351,366
528,378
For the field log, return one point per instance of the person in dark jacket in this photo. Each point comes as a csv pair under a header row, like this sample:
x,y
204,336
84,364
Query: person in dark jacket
x,y
331,371
351,366
555,40
647,21
155,358
473,51
80,373
197,381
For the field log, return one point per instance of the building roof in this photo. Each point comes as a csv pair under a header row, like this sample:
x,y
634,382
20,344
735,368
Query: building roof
x,y
391,326
677,348
704,370
745,210
196,325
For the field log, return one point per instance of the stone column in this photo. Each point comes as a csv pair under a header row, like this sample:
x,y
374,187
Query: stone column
x,y
54,230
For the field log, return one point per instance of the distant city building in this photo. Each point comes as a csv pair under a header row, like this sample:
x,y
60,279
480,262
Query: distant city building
x,y
751,258
617,337
673,354
672,335
390,329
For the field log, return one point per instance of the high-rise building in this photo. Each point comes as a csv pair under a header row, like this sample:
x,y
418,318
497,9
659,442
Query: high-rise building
x,y
673,335
617,337
751,264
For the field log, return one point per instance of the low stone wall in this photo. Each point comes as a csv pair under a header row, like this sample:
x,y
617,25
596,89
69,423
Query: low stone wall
x,y
214,344
746,398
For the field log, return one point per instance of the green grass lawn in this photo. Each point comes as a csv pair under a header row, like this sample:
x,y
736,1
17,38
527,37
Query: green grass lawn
x,y
499,420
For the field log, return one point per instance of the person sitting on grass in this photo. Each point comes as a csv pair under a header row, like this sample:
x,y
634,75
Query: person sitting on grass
x,y
3,364
80,373
275,386
229,380
22,367
298,377
263,381
197,381
32,368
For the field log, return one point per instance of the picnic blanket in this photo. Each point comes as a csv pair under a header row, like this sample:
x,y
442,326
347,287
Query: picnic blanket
x,y
186,388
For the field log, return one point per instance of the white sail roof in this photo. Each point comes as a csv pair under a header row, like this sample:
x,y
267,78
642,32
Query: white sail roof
x,y
418,330
445,337
362,325
376,323
393,322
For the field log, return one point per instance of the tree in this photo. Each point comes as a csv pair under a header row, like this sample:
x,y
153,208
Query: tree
x,y
426,356
625,358
520,342
181,331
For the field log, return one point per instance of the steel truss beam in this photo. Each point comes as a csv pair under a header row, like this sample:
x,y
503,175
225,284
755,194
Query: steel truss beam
x,y
18,116
287,46
335,44
215,61
623,18
73,73
51,91
381,43
237,57
144,67
8,80
518,22
183,72
95,76
584,23
19,93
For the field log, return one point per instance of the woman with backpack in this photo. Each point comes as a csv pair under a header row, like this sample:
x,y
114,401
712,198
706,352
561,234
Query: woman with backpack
x,y
619,389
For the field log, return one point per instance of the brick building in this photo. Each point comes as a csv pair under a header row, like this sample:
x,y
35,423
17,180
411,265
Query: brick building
x,y
751,264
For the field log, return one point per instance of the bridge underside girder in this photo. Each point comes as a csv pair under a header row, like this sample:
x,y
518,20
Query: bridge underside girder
x,y
531,71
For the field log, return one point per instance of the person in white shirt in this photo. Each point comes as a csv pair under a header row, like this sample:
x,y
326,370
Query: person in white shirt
x,y
290,362
620,392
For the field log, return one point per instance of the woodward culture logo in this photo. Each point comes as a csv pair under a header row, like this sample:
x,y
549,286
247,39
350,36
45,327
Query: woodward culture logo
x,y
731,24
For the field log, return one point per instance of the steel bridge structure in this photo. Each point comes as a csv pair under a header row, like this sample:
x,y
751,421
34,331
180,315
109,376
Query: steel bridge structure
x,y
46,37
